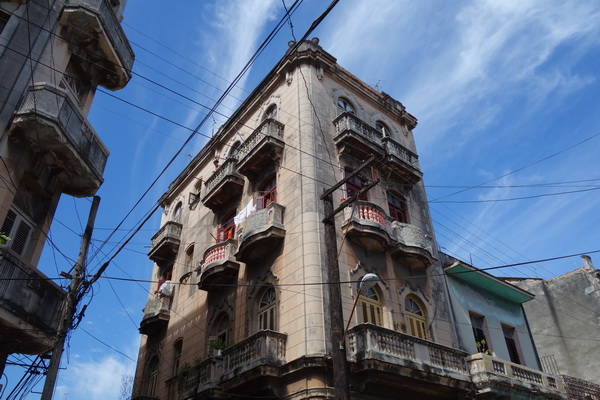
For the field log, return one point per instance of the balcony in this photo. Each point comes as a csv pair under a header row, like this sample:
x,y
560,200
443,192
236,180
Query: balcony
x,y
401,162
412,244
261,232
93,25
366,225
398,361
219,265
263,147
224,185
29,306
357,138
500,378
165,243
239,366
52,124
156,315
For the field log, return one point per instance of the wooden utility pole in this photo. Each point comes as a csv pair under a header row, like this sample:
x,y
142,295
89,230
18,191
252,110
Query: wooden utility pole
x,y
341,381
69,306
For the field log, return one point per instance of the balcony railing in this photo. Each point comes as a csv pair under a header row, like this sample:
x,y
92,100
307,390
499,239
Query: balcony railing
x,y
85,16
402,161
219,265
263,146
371,342
224,185
165,243
369,225
263,349
35,302
491,373
50,120
356,137
261,232
156,314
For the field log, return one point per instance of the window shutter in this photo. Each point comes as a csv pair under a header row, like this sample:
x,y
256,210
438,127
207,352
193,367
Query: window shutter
x,y
9,222
21,236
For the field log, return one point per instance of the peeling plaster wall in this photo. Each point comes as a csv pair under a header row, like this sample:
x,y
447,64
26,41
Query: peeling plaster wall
x,y
565,320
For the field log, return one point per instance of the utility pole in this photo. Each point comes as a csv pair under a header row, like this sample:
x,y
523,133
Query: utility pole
x,y
70,304
341,381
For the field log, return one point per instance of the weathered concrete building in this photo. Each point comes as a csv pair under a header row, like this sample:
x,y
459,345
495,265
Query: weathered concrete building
x,y
565,321
241,305
492,328
53,55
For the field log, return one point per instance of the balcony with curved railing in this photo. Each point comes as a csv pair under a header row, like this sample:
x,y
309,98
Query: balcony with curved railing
x,y
219,265
156,315
366,224
261,232
223,186
414,245
263,147
110,53
165,243
53,125
357,138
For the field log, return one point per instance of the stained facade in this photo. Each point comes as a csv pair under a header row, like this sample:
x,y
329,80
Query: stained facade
x,y
239,307
53,55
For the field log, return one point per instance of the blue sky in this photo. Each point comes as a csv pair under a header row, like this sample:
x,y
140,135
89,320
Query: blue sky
x,y
506,93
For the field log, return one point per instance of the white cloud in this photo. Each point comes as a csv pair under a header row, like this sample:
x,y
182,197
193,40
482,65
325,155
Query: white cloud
x,y
94,380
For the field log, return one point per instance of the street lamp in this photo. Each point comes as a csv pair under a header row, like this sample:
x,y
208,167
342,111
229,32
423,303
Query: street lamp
x,y
366,283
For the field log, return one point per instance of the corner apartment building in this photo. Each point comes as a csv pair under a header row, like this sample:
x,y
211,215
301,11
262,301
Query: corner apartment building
x,y
53,55
241,306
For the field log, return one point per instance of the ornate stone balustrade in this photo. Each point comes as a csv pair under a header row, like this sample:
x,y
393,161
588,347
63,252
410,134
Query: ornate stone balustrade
x,y
371,342
492,374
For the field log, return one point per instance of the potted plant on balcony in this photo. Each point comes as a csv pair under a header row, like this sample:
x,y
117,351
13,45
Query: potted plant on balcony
x,y
218,345
3,238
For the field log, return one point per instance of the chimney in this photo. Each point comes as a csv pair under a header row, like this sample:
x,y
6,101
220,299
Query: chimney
x,y
587,262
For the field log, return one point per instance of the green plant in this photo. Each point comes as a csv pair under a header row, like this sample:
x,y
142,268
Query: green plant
x,y
482,347
181,374
218,344
3,238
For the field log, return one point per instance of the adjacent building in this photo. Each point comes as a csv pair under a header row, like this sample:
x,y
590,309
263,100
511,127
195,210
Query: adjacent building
x,y
493,329
241,306
565,321
53,55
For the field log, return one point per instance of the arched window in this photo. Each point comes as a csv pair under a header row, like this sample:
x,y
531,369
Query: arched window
x,y
397,207
416,317
221,329
271,112
369,305
267,193
177,213
382,128
344,106
267,310
177,351
152,376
